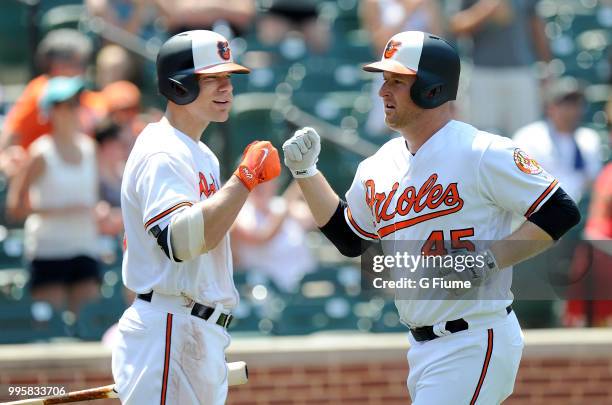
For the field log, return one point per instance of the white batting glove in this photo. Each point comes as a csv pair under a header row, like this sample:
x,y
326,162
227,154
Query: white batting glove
x,y
302,152
477,275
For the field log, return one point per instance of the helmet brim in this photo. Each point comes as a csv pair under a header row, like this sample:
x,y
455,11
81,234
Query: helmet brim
x,y
229,67
389,65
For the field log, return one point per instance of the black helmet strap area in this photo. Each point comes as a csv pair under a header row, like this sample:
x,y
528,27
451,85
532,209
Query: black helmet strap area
x,y
438,74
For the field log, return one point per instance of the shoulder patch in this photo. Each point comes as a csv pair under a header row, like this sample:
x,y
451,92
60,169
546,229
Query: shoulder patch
x,y
525,163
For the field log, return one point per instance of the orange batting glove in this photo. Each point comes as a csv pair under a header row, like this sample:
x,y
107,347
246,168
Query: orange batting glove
x,y
260,163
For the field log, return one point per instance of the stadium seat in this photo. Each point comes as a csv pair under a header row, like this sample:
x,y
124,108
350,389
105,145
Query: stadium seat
x,y
251,119
246,279
261,302
11,250
343,280
3,194
387,319
26,321
96,317
315,315
245,318
13,285
536,314
15,51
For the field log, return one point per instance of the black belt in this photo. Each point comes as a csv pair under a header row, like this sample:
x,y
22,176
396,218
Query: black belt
x,y
199,310
425,333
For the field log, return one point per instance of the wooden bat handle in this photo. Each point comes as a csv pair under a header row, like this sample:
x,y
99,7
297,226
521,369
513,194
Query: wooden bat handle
x,y
237,374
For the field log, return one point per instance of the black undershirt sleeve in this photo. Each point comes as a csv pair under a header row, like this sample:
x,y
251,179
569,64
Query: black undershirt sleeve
x,y
557,215
342,236
161,236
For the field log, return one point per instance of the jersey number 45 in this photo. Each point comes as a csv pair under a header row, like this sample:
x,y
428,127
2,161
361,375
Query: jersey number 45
x,y
435,246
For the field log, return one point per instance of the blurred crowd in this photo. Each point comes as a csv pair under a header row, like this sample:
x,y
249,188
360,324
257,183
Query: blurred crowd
x,y
65,139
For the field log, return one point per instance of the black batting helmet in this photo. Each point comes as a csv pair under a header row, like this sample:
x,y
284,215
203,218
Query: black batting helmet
x,y
185,55
432,59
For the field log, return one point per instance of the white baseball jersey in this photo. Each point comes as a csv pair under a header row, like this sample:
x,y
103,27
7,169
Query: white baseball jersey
x,y
462,184
166,172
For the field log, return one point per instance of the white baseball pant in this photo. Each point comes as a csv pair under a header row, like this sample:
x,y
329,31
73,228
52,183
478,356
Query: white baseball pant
x,y
165,355
477,366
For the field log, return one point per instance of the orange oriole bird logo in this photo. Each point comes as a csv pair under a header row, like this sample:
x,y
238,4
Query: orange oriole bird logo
x,y
391,48
224,50
525,163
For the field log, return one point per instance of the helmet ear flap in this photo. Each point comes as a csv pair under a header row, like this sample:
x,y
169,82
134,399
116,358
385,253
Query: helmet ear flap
x,y
184,90
177,87
430,96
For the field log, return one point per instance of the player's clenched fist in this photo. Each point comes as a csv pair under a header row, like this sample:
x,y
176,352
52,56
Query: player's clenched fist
x,y
302,152
260,163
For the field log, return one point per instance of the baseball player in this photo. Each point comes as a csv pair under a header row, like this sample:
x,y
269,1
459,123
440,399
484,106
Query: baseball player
x,y
176,215
442,180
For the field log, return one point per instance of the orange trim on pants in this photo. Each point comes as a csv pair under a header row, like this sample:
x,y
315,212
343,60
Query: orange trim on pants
x,y
485,366
166,359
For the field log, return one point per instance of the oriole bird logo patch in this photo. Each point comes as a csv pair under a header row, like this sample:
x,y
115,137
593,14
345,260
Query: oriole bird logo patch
x,y
224,50
391,48
525,163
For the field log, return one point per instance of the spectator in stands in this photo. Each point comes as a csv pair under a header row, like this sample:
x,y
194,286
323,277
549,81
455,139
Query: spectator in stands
x,y
133,16
113,63
12,159
229,18
62,52
569,152
599,221
111,157
123,101
124,108
269,235
57,191
608,112
505,34
384,18
279,20
591,293
593,259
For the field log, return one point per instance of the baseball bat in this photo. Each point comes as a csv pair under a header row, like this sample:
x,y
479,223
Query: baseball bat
x,y
238,374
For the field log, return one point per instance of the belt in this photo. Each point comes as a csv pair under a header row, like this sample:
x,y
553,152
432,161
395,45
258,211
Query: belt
x,y
199,310
425,333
